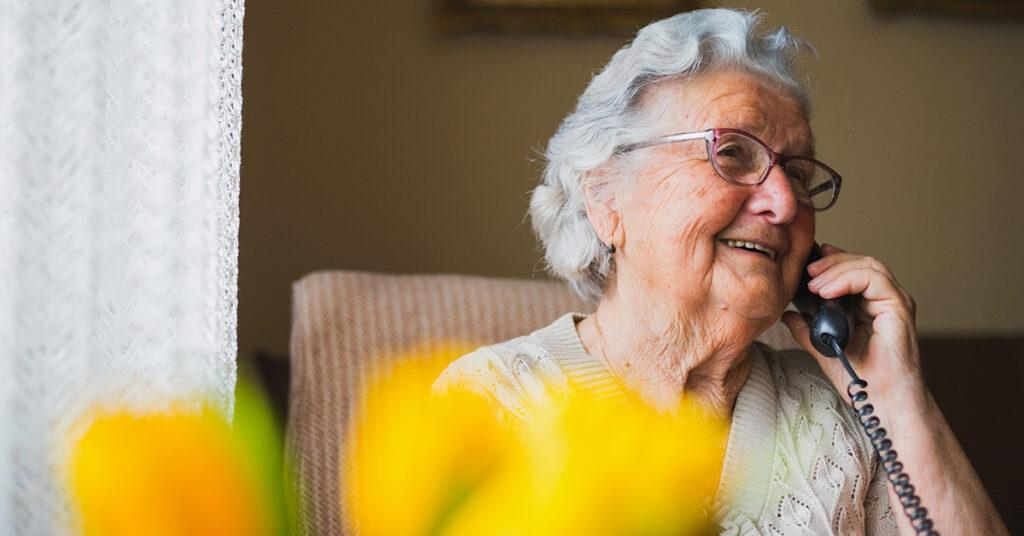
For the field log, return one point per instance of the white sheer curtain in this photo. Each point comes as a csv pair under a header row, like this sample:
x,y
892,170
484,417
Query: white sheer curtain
x,y
119,159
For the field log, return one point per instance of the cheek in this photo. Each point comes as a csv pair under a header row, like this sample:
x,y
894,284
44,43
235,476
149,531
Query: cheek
x,y
676,211
691,209
801,238
705,219
802,230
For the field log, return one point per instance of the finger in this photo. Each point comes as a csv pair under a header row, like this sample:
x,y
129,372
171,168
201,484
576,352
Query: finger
x,y
829,260
846,263
879,291
907,299
862,315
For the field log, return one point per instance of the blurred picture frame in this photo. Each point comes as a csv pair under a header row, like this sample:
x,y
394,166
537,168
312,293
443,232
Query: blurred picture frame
x,y
967,8
553,17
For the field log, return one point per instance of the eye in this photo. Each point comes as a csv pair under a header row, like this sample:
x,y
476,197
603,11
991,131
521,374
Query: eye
x,y
798,175
731,150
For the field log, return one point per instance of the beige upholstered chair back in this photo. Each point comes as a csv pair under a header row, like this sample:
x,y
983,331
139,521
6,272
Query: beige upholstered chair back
x,y
341,319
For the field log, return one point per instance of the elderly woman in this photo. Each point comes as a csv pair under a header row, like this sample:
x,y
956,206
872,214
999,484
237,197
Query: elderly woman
x,y
681,196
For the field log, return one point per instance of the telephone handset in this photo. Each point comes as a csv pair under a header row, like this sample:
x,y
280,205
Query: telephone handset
x,y
830,323
830,319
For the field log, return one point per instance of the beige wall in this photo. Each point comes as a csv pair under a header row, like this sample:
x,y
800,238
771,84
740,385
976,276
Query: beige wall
x,y
371,144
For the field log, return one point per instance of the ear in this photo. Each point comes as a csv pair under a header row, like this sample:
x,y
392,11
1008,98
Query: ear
x,y
602,208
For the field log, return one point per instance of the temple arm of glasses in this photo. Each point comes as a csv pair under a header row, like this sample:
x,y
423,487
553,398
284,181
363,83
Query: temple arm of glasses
x,y
671,138
820,188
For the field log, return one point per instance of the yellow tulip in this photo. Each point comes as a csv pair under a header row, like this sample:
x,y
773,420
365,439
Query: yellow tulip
x,y
178,472
412,459
448,466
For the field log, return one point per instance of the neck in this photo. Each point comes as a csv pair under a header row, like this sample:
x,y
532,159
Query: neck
x,y
661,356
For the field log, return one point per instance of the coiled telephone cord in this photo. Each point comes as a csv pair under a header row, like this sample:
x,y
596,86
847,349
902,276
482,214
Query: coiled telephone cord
x,y
893,468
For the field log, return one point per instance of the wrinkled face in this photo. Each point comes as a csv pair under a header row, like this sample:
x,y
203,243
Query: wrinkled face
x,y
679,214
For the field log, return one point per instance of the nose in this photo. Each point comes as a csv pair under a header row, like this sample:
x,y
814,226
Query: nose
x,y
774,198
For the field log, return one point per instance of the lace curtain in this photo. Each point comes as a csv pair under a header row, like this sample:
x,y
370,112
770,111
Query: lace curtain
x,y
119,161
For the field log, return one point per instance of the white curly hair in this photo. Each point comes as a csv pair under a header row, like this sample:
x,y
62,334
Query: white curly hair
x,y
606,118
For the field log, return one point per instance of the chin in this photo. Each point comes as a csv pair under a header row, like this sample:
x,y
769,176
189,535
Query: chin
x,y
757,305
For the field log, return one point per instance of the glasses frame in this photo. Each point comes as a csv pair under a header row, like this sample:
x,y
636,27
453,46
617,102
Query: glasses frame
x,y
711,137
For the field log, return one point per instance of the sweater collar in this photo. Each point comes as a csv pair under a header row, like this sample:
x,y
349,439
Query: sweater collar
x,y
584,371
748,456
747,468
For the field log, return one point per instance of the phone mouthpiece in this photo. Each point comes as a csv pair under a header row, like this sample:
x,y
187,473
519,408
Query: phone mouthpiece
x,y
829,324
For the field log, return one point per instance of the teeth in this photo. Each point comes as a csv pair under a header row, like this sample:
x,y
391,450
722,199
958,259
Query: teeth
x,y
750,245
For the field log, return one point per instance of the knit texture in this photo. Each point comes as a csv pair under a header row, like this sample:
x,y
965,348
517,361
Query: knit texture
x,y
796,461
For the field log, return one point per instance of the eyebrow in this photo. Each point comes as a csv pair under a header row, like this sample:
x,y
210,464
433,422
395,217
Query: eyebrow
x,y
806,149
803,148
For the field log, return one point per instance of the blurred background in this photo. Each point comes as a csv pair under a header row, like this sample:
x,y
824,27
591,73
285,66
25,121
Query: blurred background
x,y
373,141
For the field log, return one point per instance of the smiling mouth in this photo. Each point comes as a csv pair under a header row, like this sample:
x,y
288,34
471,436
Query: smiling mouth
x,y
752,247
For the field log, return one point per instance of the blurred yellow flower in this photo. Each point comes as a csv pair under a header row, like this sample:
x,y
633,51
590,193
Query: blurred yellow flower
x,y
178,472
446,465
416,458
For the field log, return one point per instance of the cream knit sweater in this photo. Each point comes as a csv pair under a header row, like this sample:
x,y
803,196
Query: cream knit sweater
x,y
796,461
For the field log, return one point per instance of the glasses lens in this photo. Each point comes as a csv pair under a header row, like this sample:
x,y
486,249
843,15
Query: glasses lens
x,y
813,185
740,158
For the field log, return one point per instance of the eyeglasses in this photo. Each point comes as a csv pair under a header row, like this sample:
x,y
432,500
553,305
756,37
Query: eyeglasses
x,y
744,160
